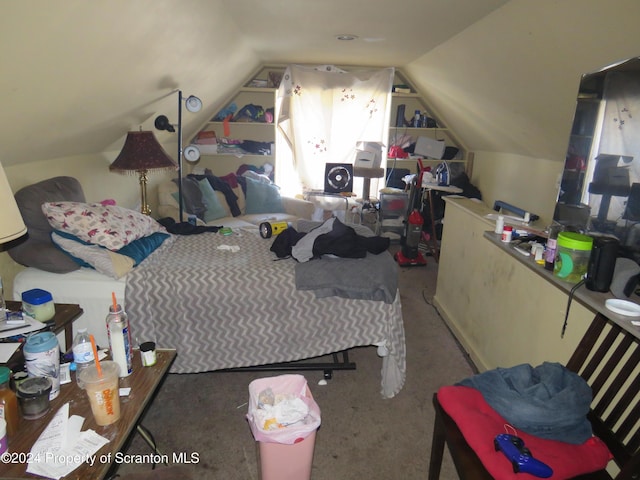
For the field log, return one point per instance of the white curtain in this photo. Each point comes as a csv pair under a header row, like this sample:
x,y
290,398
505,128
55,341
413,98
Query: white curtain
x,y
620,134
322,112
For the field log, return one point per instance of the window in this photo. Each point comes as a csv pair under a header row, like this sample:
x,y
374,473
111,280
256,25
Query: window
x,y
322,112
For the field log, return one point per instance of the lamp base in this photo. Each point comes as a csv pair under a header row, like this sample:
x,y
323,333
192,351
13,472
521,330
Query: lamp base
x,y
144,206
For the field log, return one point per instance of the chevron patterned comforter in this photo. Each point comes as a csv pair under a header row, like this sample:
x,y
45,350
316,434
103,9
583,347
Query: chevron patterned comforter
x,y
225,302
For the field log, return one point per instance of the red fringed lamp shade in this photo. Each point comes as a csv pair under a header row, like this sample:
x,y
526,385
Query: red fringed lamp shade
x,y
141,153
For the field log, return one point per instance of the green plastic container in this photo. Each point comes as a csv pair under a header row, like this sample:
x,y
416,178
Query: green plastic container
x,y
572,258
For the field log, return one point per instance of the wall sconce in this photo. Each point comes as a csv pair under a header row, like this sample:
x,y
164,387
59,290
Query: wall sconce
x,y
191,153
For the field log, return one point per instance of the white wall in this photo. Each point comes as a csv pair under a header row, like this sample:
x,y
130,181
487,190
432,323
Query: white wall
x,y
526,182
507,85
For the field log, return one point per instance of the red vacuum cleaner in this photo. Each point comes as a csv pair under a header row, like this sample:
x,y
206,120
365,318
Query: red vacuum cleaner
x,y
409,255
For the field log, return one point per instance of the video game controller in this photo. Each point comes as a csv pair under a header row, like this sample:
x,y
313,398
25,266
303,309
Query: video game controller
x,y
520,456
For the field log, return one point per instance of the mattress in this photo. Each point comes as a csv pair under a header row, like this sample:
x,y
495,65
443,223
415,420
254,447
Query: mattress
x,y
85,287
225,302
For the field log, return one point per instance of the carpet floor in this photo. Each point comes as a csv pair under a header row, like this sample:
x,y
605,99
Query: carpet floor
x,y
201,417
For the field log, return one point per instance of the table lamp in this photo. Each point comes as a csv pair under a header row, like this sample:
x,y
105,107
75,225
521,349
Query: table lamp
x,y
12,227
140,154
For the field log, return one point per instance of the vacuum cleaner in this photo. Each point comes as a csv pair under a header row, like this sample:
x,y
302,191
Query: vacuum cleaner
x,y
409,255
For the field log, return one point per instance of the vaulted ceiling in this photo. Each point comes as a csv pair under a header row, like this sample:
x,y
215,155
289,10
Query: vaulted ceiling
x,y
77,75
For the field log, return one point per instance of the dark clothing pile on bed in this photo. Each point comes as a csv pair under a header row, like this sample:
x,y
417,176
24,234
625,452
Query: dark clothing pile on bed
x,y
330,238
351,265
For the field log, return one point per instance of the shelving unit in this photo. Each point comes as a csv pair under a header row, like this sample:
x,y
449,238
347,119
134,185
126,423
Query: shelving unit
x,y
259,89
436,130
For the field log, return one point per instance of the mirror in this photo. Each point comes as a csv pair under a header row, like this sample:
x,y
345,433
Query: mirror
x,y
600,186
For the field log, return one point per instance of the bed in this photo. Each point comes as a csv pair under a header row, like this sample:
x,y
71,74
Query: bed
x,y
227,302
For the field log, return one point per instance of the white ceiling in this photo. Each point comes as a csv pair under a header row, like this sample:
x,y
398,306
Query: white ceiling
x,y
503,74
390,33
78,75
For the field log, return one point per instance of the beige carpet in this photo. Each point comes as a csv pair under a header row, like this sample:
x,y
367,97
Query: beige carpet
x,y
362,436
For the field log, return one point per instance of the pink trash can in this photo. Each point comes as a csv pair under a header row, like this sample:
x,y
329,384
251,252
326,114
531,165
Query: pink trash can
x,y
287,462
287,453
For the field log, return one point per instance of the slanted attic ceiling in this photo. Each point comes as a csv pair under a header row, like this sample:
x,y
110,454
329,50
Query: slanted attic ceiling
x,y
78,75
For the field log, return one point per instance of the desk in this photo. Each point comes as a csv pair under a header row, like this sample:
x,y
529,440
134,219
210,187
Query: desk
x,y
63,319
144,383
593,300
503,307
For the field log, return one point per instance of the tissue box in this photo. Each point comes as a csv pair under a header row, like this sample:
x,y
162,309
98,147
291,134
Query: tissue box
x,y
38,304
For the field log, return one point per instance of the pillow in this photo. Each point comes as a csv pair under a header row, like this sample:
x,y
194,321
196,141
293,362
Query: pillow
x,y
137,250
145,246
227,197
38,251
262,197
260,177
191,197
214,209
103,260
110,226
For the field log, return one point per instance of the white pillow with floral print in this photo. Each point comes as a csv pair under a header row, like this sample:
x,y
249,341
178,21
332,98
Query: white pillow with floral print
x,y
110,226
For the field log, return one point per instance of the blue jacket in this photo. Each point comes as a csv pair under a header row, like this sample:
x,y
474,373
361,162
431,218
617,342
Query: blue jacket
x,y
548,401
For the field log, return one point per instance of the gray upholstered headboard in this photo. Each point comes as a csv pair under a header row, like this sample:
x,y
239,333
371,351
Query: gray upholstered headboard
x,y
38,250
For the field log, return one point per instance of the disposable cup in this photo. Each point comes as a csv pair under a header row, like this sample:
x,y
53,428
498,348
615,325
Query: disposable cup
x,y
103,391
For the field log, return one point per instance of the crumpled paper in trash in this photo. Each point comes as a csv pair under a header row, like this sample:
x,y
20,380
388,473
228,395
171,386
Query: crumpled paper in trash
x,y
284,411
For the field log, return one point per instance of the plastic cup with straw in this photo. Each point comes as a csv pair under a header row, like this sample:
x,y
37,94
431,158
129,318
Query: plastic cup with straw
x,y
95,356
102,387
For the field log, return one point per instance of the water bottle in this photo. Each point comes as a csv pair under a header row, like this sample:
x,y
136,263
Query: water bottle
x,y
417,121
120,339
82,353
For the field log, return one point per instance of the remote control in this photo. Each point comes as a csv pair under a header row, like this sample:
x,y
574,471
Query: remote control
x,y
520,456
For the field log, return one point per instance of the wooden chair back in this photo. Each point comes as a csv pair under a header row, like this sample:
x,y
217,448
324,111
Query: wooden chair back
x,y
608,358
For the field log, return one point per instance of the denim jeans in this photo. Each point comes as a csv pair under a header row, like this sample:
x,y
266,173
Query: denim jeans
x,y
548,401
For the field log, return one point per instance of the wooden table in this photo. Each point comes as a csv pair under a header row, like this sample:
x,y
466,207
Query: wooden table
x,y
63,319
144,383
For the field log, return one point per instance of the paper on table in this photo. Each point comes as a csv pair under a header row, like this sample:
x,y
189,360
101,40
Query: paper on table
x,y
62,447
31,326
6,350
54,435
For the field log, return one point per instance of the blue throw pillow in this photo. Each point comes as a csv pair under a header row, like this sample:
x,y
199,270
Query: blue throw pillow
x,y
214,208
262,197
138,250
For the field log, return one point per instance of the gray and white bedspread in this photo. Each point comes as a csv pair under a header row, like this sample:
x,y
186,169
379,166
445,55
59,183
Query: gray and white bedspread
x,y
224,309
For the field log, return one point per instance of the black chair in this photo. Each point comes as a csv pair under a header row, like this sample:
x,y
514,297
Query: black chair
x,y
606,357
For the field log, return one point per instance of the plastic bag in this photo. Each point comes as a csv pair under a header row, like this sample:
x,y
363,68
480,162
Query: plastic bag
x,y
270,391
